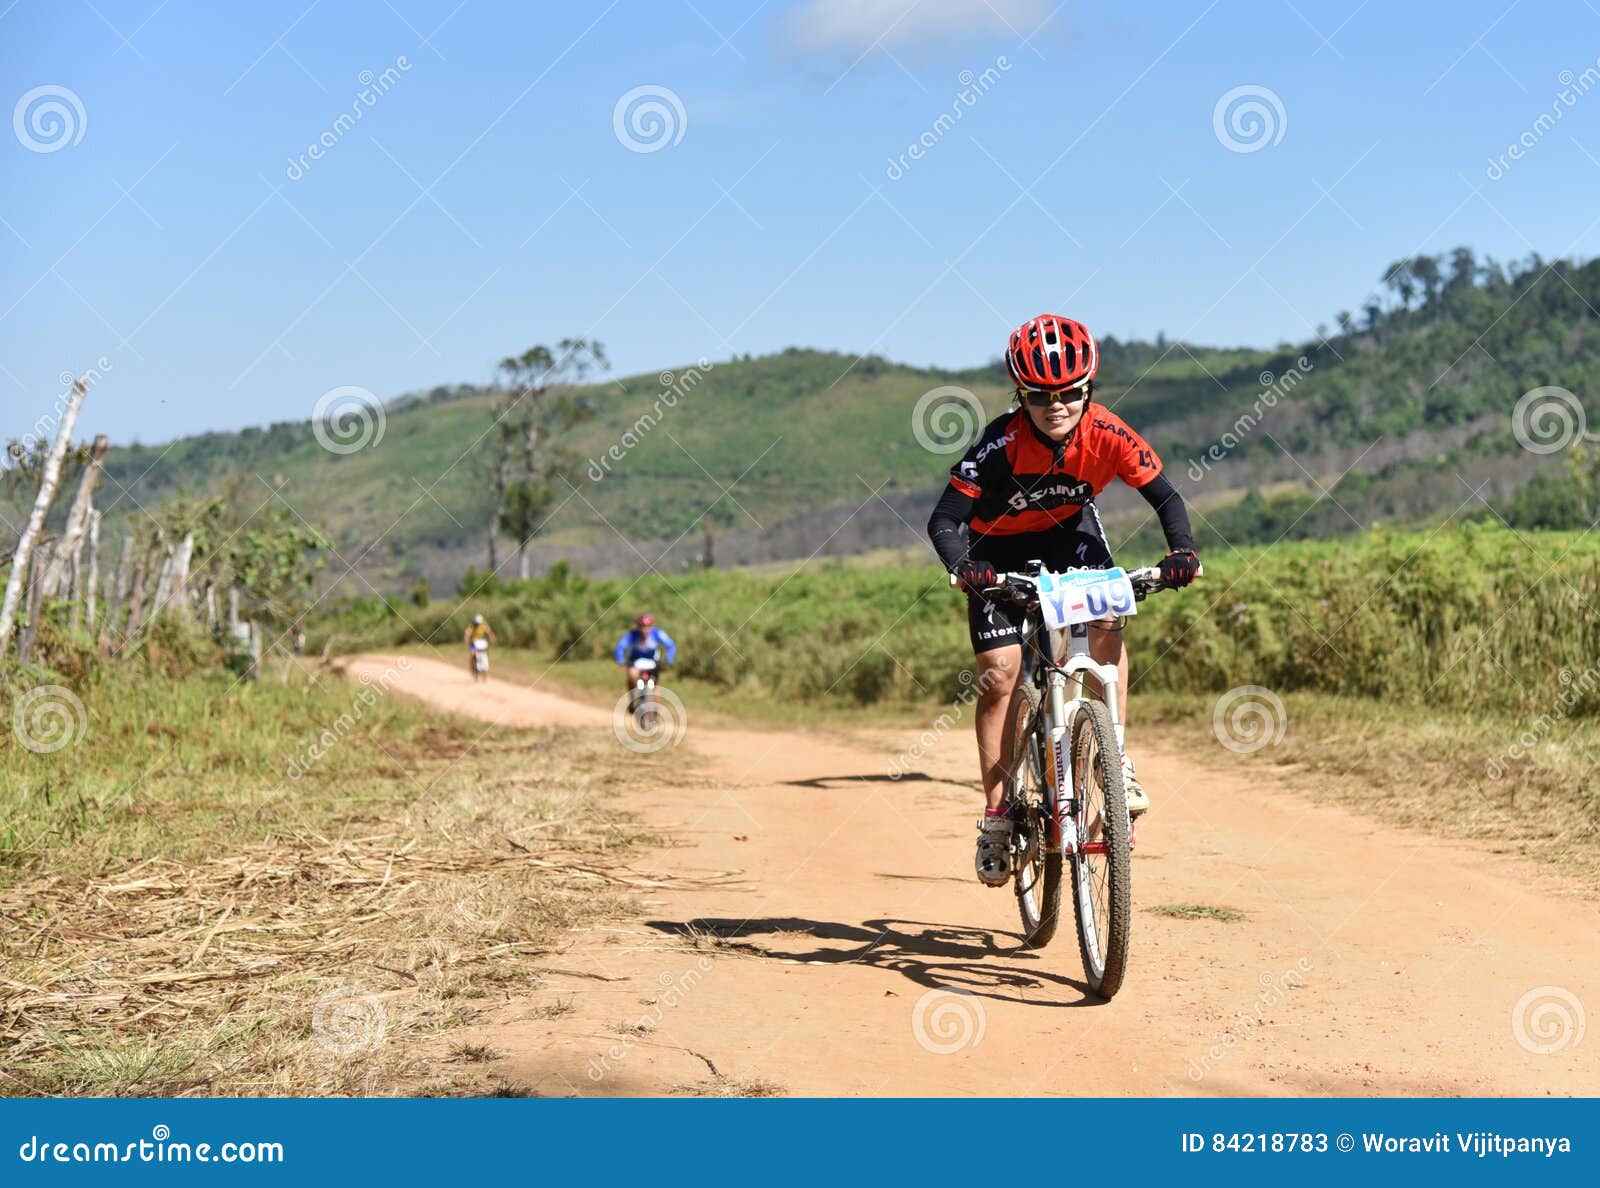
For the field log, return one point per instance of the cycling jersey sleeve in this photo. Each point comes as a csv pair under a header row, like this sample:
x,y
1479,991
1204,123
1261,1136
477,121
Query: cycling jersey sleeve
x,y
665,641
950,514
1163,496
622,648
1136,462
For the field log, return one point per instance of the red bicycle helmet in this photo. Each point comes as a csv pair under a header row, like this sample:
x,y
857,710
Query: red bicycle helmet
x,y
1050,353
645,620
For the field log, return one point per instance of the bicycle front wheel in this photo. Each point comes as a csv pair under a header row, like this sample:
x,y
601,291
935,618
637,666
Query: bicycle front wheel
x,y
1102,881
1038,875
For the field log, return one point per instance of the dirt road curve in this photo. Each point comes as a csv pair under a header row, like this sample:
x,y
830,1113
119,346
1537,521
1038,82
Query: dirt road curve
x,y
1368,962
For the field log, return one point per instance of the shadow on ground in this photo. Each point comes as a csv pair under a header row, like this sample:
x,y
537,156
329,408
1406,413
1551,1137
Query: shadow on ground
x,y
977,960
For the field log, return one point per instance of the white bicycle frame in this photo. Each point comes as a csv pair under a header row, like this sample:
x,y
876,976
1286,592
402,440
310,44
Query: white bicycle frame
x,y
1066,697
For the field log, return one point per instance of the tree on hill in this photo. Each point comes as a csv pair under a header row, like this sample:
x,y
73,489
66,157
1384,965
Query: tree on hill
x,y
528,459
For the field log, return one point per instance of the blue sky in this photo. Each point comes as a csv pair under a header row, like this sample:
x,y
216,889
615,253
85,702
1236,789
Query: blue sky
x,y
485,201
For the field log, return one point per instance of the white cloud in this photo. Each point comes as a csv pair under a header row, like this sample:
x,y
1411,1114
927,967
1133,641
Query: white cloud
x,y
856,26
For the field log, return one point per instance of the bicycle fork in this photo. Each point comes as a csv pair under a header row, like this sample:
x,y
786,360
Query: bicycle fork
x,y
1061,712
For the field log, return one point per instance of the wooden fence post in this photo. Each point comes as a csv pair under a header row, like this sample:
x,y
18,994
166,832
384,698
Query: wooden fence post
x,y
48,482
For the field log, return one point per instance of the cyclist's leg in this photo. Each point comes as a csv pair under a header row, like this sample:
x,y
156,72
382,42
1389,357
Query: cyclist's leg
x,y
995,630
998,671
1106,647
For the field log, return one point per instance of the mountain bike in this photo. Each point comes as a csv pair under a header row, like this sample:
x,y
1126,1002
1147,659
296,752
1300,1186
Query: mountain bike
x,y
1063,766
645,710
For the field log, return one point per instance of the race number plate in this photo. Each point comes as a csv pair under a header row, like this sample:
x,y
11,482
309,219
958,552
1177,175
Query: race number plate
x,y
1084,595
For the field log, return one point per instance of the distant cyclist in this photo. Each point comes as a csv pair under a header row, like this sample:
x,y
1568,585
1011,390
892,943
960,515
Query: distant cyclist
x,y
478,637
1025,491
644,641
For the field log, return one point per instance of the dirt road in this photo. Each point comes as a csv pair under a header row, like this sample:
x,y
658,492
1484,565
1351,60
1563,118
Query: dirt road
x,y
856,954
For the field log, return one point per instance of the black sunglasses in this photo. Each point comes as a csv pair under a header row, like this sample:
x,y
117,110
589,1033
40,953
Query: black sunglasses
x,y
1046,399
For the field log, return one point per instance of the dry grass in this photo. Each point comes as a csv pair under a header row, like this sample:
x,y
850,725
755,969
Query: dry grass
x,y
721,1086
1197,911
304,945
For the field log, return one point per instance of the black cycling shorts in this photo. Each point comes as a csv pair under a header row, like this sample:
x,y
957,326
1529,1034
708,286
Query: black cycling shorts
x,y
1077,543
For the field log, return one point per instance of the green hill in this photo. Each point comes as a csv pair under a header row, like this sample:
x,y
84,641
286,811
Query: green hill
x,y
1400,419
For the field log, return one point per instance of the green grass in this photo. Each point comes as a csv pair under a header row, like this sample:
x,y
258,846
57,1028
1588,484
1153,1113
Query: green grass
x,y
1469,618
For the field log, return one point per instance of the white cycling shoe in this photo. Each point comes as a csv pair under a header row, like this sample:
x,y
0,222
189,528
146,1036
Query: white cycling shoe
x,y
993,859
1138,799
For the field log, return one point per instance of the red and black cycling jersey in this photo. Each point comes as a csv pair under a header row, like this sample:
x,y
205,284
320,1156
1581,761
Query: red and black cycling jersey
x,y
1016,494
1023,482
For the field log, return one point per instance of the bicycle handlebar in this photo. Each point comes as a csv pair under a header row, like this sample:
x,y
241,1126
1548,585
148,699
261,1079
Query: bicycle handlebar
x,y
1145,581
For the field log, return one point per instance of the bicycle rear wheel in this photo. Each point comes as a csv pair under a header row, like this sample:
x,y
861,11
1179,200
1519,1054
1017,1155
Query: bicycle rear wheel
x,y
1037,880
1102,884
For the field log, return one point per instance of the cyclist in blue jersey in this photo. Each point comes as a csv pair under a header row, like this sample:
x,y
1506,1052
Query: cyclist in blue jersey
x,y
645,641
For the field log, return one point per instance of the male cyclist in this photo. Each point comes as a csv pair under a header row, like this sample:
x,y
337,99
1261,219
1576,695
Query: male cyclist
x,y
477,631
644,641
1025,491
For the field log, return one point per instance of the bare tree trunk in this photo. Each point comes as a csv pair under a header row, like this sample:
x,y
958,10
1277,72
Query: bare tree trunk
x,y
124,580
172,592
48,481
77,519
522,560
708,560
35,605
500,467
94,569
142,573
75,619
